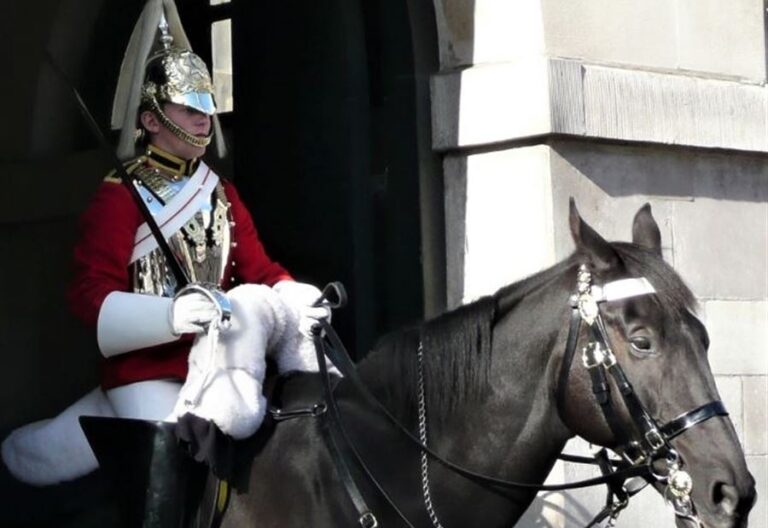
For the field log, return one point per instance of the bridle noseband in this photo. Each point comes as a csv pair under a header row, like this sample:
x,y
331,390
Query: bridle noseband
x,y
651,442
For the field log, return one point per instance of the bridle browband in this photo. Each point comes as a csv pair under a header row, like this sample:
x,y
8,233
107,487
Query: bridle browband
x,y
640,453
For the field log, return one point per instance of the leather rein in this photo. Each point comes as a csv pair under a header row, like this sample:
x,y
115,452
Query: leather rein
x,y
640,454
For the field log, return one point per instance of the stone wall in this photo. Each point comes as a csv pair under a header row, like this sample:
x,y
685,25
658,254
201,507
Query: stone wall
x,y
615,103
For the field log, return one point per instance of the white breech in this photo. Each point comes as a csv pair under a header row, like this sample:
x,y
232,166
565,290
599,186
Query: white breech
x,y
146,400
55,450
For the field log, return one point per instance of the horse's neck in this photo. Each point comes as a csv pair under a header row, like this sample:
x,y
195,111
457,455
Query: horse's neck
x,y
517,432
513,432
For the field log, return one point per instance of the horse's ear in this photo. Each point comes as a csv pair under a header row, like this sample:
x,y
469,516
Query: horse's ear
x,y
588,242
645,231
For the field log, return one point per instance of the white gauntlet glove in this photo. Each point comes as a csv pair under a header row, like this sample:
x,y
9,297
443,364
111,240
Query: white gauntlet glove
x,y
132,321
192,312
301,297
297,351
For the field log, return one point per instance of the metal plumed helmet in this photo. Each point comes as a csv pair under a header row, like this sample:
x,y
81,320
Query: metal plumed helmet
x,y
176,75
179,76
159,67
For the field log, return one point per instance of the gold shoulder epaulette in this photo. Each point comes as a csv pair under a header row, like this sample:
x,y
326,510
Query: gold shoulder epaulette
x,y
130,167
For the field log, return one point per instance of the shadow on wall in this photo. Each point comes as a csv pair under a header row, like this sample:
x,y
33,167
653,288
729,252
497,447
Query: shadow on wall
x,y
609,183
621,170
711,207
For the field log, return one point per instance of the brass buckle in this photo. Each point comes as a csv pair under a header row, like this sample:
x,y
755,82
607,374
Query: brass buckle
x,y
654,439
593,355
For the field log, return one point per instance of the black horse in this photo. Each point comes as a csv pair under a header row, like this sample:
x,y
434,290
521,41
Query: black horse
x,y
491,371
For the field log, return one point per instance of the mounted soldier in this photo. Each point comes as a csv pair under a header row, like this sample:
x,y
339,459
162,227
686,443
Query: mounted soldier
x,y
183,320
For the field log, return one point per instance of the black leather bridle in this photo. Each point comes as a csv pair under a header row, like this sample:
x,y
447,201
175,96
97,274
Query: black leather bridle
x,y
599,360
641,452
651,442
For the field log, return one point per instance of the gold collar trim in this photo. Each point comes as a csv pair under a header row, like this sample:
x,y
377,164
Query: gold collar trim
x,y
169,163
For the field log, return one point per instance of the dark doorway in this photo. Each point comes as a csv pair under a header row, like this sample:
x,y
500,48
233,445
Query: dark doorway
x,y
327,150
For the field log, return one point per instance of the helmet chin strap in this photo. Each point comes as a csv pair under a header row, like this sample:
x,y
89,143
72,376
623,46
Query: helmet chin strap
x,y
176,130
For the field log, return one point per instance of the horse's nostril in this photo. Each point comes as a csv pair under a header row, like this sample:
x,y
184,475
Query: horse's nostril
x,y
748,500
725,497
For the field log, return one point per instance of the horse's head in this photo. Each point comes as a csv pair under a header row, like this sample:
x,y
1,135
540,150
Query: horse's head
x,y
662,348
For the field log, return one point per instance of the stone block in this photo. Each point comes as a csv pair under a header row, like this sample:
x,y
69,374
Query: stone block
x,y
722,248
755,415
547,508
533,96
566,83
738,332
633,105
485,31
723,41
688,35
611,31
491,103
730,390
609,185
758,466
645,509
508,228
712,209
580,505
729,177
506,31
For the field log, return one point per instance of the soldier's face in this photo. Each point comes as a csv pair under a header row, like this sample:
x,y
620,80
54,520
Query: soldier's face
x,y
189,119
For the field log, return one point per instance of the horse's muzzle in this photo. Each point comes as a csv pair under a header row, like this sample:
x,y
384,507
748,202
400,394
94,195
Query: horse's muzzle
x,y
729,507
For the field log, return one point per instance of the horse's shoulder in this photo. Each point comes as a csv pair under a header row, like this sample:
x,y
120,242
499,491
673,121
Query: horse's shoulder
x,y
296,390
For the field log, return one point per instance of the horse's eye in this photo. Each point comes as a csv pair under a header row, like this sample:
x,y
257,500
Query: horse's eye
x,y
641,344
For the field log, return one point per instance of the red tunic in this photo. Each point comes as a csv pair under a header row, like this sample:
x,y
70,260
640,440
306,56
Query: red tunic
x,y
101,261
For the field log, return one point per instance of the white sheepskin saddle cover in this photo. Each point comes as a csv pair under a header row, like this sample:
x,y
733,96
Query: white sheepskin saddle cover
x,y
227,366
224,384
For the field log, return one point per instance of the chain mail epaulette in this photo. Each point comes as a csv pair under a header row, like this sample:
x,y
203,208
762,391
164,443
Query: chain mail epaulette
x,y
156,180
130,167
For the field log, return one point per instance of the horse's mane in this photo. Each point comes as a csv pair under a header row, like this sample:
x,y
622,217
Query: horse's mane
x,y
457,344
456,350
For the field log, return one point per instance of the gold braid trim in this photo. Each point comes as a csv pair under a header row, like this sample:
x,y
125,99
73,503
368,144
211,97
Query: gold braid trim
x,y
130,167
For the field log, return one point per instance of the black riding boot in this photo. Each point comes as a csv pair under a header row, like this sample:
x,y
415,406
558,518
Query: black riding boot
x,y
157,483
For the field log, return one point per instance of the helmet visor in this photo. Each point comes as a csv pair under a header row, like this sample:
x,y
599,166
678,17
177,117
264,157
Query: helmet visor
x,y
201,101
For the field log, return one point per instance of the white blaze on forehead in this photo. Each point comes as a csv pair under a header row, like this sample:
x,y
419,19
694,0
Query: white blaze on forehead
x,y
622,289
